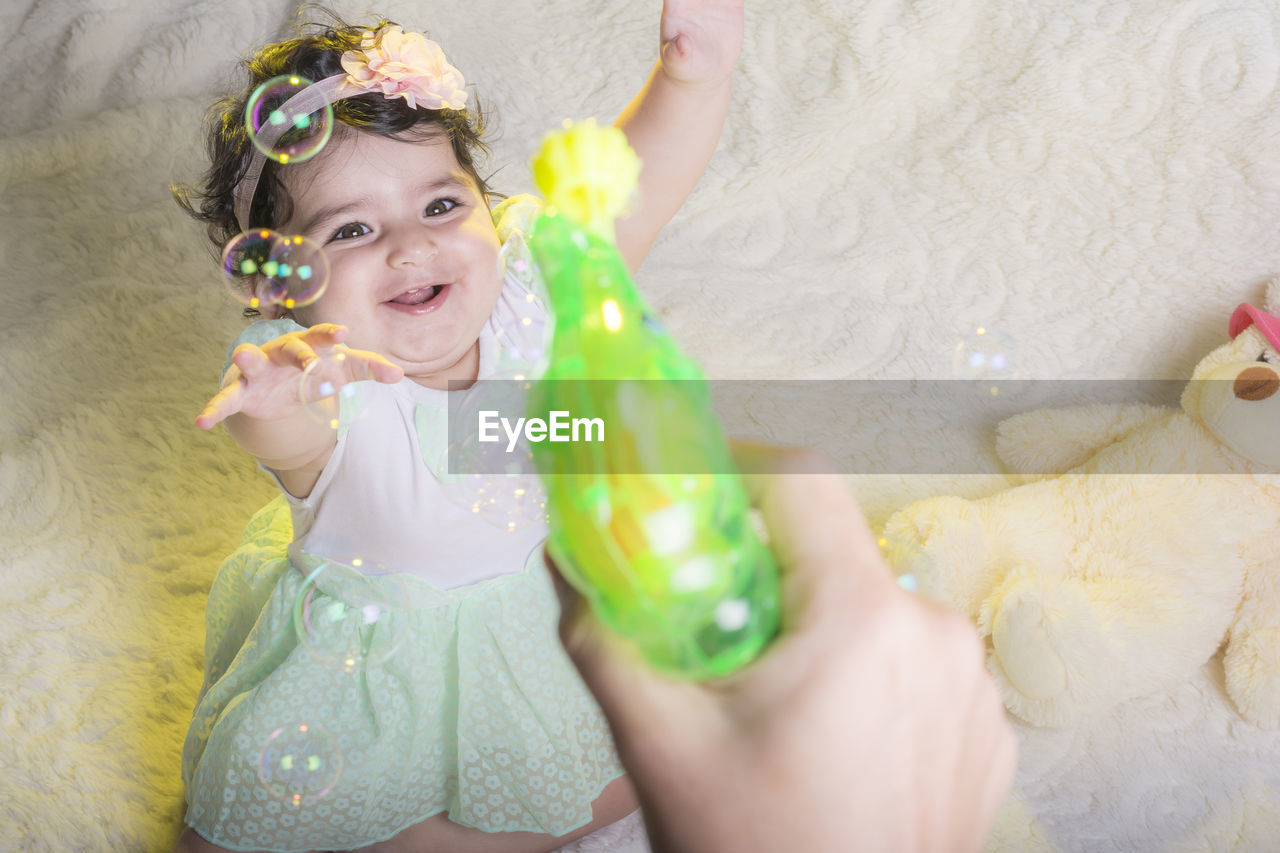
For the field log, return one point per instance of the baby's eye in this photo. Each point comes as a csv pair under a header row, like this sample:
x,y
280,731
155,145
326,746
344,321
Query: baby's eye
x,y
351,230
441,206
1263,357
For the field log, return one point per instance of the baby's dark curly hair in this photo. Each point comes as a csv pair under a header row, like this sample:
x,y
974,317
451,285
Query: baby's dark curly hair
x,y
315,54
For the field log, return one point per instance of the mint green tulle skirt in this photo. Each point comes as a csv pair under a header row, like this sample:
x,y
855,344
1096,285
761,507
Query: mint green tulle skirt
x,y
338,709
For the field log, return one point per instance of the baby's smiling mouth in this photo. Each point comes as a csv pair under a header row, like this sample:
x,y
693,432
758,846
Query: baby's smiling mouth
x,y
418,295
419,301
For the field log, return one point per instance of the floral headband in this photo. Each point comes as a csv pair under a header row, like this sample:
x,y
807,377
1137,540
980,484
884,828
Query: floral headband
x,y
390,61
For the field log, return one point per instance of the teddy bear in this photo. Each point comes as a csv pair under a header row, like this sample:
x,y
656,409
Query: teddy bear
x,y
1138,539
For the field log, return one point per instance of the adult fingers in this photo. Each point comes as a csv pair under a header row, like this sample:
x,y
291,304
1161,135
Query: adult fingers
x,y
757,461
996,753
779,476
818,534
977,751
642,705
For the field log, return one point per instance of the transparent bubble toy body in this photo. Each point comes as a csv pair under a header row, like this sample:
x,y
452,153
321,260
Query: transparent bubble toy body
x,y
652,525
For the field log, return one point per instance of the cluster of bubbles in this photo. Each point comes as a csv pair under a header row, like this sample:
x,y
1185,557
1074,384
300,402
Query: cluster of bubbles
x,y
524,337
261,267
985,355
265,269
498,484
344,618
300,763
354,629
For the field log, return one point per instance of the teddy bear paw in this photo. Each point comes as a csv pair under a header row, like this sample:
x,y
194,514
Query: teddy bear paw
x,y
1252,667
1026,651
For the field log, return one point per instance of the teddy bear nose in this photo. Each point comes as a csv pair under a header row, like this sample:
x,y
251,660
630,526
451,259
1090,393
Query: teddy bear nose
x,y
1256,383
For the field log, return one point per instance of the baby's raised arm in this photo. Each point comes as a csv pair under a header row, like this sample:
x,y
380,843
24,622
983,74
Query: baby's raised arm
x,y
261,402
675,121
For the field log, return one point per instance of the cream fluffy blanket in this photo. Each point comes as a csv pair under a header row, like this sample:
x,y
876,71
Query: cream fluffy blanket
x,y
1098,179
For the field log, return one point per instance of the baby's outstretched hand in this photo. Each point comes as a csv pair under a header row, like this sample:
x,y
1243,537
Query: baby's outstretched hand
x,y
265,382
701,39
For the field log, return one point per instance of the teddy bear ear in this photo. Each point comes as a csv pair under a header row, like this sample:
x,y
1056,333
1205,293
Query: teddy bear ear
x,y
1271,298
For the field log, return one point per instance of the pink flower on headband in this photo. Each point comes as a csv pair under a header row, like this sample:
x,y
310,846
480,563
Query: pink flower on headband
x,y
405,65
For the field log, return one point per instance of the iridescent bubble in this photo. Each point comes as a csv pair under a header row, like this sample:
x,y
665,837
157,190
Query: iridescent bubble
x,y
262,268
299,764
984,354
510,502
334,388
286,136
516,259
344,613
300,272
906,559
242,261
495,479
523,328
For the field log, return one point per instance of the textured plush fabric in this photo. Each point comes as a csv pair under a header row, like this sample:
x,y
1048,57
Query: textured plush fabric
x,y
1098,179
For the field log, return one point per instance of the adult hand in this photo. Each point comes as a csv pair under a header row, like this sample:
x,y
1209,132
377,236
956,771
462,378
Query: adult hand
x,y
870,723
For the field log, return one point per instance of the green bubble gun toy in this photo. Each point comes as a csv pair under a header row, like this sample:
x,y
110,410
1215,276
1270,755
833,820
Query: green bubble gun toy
x,y
650,525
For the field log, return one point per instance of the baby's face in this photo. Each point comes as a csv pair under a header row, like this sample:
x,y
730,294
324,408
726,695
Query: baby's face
x,y
412,250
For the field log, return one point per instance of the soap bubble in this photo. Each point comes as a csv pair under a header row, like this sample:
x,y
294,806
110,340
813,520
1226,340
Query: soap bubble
x,y
300,763
906,559
495,480
286,136
242,261
515,258
984,354
261,267
523,328
343,615
512,502
329,391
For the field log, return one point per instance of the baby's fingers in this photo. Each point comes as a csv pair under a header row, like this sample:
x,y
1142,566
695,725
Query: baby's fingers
x,y
358,365
223,405
250,359
292,351
373,366
324,335
305,347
